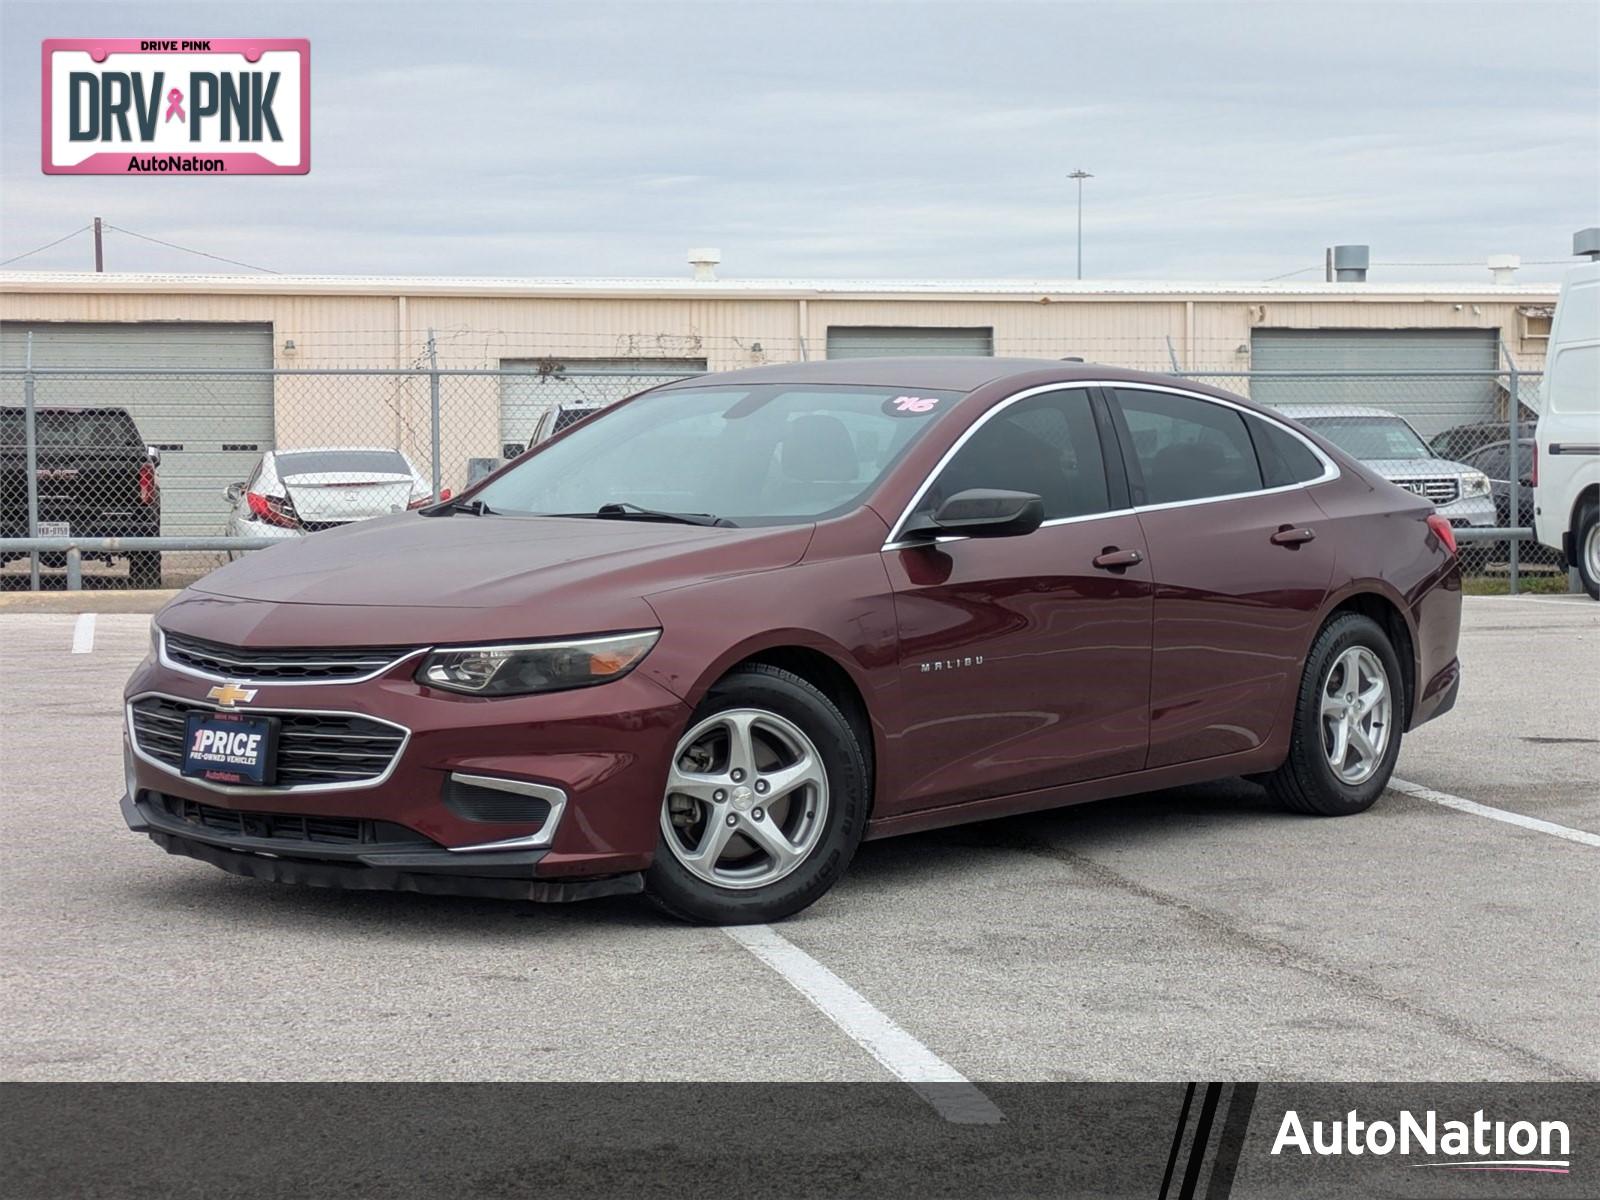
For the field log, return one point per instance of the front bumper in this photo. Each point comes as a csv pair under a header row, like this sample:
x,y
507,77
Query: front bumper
x,y
1471,512
605,750
508,875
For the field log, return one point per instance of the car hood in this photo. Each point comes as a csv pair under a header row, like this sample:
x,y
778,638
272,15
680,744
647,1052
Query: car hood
x,y
1410,468
411,579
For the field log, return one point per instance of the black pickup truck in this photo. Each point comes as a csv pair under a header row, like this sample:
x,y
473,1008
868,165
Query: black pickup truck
x,y
96,476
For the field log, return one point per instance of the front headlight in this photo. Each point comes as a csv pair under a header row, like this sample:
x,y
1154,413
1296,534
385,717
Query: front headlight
x,y
1474,483
536,666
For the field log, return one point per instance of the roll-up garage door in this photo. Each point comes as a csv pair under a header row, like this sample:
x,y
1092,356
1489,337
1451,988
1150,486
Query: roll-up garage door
x,y
210,429
1431,403
880,341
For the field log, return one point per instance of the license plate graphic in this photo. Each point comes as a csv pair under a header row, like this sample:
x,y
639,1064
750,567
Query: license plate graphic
x,y
217,106
226,748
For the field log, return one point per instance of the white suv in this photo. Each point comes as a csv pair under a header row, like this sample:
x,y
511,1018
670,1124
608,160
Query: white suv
x,y
1566,468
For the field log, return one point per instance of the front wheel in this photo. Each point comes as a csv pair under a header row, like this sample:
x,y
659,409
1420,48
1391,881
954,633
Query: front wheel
x,y
765,802
1347,722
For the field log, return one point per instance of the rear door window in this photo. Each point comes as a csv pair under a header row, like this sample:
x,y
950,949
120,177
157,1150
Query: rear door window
x,y
1047,445
1285,459
1185,448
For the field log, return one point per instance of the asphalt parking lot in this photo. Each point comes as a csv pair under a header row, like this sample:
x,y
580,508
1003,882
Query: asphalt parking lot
x,y
1195,933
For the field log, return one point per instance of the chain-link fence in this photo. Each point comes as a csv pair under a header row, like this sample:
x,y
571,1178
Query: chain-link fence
x,y
154,476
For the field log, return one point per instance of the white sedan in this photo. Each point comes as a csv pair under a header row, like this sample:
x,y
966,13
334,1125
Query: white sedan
x,y
294,492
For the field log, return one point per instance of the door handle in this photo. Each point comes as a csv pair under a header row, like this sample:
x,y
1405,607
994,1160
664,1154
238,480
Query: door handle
x,y
1113,559
1291,536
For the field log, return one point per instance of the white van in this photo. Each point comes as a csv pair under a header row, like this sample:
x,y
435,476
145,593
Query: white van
x,y
1566,472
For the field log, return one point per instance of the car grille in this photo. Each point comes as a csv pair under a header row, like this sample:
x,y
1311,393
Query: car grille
x,y
313,748
234,662
287,827
1437,489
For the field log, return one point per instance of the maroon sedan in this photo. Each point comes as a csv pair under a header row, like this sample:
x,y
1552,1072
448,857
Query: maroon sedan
x,y
704,642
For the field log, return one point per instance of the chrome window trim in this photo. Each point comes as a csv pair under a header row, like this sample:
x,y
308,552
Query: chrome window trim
x,y
280,681
1330,469
238,789
543,836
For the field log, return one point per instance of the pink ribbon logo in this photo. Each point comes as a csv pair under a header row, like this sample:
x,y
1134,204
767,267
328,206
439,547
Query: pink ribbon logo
x,y
175,105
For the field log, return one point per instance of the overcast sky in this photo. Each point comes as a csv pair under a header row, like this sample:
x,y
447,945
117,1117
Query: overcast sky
x,y
1227,140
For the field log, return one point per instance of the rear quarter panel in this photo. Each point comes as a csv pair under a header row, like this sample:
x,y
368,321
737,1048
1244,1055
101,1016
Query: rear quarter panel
x,y
1384,547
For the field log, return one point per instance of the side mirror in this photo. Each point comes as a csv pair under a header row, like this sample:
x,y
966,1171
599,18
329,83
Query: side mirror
x,y
232,492
982,512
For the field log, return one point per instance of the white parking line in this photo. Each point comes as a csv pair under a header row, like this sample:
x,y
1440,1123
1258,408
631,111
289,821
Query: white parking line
x,y
936,1081
1582,836
83,634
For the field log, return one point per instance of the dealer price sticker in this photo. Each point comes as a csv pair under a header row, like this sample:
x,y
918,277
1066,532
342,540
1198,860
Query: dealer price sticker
x,y
162,106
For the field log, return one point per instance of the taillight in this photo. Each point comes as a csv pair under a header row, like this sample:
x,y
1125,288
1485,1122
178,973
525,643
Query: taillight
x,y
149,487
272,510
1441,528
424,501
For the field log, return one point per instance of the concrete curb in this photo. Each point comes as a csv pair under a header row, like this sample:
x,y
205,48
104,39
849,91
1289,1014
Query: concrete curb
x,y
120,601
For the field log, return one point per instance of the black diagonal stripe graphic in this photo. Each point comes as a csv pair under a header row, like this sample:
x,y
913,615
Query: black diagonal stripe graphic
x,y
1202,1135
1234,1127
1177,1141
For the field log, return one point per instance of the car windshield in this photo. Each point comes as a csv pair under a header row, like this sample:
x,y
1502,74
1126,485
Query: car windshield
x,y
1369,439
777,454
361,462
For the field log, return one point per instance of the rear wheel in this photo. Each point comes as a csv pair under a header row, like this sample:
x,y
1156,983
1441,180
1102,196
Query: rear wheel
x,y
1347,722
144,569
1586,540
765,802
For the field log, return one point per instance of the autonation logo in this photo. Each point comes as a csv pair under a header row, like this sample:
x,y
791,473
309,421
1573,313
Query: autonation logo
x,y
1476,1145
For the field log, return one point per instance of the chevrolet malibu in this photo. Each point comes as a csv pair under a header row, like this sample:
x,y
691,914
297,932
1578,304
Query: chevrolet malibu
x,y
705,642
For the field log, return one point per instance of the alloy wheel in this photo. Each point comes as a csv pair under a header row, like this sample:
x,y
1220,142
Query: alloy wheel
x,y
746,798
1356,709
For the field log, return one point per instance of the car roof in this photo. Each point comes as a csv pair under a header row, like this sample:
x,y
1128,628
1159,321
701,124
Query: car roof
x,y
959,373
281,450
1301,411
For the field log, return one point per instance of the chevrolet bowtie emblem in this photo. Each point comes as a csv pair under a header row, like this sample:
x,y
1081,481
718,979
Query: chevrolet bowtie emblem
x,y
230,694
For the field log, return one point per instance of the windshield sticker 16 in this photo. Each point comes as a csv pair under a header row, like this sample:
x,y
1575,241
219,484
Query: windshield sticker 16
x,y
910,406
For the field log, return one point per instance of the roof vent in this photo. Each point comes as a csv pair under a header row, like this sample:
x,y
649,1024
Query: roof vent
x,y
1586,243
1350,264
1504,266
704,260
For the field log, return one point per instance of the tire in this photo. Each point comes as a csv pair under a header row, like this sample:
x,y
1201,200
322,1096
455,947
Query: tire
x,y
781,723
1308,781
1586,543
144,569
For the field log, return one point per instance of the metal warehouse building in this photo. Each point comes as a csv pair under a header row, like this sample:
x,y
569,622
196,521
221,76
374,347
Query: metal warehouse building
x,y
553,340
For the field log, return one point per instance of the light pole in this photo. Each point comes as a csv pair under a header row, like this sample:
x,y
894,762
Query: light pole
x,y
1080,175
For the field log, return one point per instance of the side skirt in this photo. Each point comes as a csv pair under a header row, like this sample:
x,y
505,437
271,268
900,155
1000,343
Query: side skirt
x,y
1250,762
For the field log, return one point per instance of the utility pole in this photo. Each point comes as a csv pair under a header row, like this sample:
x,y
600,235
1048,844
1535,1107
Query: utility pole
x,y
1080,175
99,251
